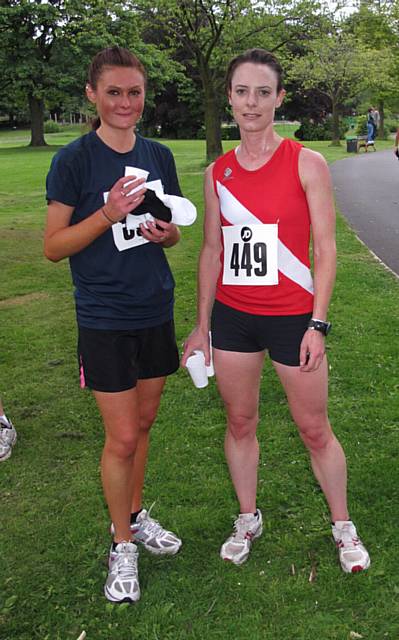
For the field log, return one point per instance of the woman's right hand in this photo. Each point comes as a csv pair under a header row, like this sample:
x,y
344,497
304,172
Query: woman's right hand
x,y
198,340
119,203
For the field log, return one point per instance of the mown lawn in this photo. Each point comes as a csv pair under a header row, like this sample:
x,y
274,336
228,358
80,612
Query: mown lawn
x,y
54,523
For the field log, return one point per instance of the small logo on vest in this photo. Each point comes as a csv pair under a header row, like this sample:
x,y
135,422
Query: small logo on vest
x,y
246,234
227,172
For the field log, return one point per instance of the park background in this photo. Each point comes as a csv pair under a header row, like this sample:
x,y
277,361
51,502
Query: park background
x,y
54,523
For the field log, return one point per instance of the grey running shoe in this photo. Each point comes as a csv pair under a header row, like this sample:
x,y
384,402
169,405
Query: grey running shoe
x,y
122,584
151,534
8,437
247,527
353,555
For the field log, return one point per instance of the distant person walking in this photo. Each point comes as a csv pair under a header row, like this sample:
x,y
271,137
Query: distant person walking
x,y
8,435
370,127
377,119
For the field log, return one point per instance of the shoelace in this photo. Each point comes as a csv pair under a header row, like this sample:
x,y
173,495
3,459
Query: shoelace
x,y
241,527
347,539
126,563
151,525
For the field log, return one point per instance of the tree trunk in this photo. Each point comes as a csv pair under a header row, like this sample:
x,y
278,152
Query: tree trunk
x,y
335,142
36,108
213,131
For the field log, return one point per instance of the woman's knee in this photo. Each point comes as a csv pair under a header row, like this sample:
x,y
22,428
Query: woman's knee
x,y
315,432
147,417
122,445
241,426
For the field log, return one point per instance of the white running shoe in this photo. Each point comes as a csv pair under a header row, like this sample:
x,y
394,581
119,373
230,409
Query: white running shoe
x,y
8,437
247,528
151,534
122,584
353,555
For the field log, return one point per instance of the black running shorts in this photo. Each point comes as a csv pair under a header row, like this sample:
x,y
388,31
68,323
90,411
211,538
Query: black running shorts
x,y
114,360
234,330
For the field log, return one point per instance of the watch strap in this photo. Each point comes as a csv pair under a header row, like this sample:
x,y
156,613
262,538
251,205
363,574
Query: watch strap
x,y
319,325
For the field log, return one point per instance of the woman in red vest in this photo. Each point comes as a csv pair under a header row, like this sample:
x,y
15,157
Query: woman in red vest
x,y
264,200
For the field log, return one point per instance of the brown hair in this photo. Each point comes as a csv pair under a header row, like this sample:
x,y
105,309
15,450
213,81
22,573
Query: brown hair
x,y
256,56
112,57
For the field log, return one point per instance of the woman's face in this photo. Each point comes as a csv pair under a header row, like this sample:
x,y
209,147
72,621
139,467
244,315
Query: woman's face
x,y
119,97
253,96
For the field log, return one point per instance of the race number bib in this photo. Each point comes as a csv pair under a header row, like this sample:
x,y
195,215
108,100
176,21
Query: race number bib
x,y
127,232
250,254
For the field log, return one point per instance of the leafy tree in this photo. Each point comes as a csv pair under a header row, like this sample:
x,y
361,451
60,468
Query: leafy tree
x,y
47,45
376,25
338,67
206,34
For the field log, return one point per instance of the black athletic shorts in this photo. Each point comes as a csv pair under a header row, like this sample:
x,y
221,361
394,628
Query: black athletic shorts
x,y
114,360
234,330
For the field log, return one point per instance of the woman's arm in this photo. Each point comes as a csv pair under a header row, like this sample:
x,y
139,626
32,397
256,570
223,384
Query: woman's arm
x,y
208,271
316,181
61,239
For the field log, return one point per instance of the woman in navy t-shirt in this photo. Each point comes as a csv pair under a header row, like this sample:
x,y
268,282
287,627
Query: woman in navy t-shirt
x,y
123,293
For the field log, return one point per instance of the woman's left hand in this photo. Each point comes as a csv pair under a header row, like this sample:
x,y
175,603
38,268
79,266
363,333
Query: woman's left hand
x,y
312,350
160,232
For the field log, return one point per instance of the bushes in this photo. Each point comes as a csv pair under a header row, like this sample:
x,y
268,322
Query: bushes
x,y
51,127
318,131
229,132
361,128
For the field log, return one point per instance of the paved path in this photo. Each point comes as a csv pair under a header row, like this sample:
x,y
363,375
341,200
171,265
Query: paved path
x,y
367,191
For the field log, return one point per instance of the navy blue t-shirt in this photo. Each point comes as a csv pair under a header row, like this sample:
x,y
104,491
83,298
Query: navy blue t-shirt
x,y
121,280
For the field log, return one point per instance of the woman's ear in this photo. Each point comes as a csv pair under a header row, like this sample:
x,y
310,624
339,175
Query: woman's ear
x,y
280,98
90,93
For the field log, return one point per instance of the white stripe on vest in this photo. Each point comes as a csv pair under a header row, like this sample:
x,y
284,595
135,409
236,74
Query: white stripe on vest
x,y
235,213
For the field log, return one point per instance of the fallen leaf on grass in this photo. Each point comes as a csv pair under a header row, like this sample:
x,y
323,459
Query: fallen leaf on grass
x,y
355,636
292,570
312,574
211,607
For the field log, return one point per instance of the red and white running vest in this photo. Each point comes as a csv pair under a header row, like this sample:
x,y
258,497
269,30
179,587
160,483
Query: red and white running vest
x,y
265,266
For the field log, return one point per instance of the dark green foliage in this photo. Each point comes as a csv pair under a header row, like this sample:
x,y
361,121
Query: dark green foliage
x,y
51,127
361,128
318,131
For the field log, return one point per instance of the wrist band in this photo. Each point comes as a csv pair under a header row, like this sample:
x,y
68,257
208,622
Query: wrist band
x,y
107,217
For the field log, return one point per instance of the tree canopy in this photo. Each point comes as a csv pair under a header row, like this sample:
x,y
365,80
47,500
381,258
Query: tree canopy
x,y
331,58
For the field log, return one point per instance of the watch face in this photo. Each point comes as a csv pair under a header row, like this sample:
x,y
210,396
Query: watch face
x,y
319,325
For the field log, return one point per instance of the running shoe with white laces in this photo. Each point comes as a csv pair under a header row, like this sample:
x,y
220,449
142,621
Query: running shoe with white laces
x,y
353,555
122,584
151,534
8,437
247,527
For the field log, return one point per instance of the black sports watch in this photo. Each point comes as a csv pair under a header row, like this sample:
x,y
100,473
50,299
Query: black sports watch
x,y
320,325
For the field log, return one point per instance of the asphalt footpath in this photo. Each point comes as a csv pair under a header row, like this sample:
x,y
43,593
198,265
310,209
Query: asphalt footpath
x,y
366,188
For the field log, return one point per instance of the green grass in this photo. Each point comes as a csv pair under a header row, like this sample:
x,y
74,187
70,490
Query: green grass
x,y
54,523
